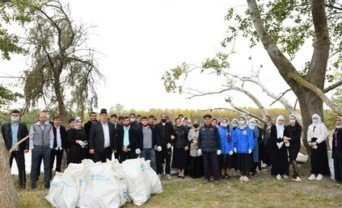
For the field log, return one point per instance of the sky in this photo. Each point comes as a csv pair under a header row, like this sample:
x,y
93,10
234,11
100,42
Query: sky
x,y
139,40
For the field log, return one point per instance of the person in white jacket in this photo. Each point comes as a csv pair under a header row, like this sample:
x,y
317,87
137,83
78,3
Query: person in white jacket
x,y
317,134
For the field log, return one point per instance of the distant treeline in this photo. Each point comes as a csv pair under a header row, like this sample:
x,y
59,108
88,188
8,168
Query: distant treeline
x,y
30,117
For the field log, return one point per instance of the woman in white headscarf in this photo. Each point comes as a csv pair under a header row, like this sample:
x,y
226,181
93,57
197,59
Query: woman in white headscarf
x,y
280,164
317,134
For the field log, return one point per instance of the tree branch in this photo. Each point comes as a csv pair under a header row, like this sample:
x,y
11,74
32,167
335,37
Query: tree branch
x,y
333,86
228,100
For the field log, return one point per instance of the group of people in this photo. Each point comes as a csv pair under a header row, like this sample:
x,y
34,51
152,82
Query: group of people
x,y
217,149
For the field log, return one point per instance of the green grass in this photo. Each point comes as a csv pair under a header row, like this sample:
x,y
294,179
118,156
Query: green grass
x,y
262,191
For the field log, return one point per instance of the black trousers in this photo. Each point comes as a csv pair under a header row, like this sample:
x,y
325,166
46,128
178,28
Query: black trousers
x,y
338,165
20,160
127,155
58,154
164,155
210,161
244,163
103,156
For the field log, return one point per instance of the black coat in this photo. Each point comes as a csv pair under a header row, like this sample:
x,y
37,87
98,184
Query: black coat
x,y
64,137
182,140
133,138
337,150
96,137
155,139
295,133
164,133
87,127
6,132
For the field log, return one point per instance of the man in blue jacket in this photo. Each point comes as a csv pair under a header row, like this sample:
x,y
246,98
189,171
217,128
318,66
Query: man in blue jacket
x,y
210,146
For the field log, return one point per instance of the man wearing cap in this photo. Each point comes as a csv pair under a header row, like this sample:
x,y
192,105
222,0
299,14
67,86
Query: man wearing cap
x,y
209,145
102,138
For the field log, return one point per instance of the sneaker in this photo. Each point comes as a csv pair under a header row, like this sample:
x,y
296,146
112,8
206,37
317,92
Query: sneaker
x,y
286,176
245,179
278,177
297,179
168,177
319,177
312,177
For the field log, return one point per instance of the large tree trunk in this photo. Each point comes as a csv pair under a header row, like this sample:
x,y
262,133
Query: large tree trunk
x,y
60,99
8,194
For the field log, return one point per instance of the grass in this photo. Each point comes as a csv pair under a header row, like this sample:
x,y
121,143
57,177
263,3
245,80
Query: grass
x,y
262,191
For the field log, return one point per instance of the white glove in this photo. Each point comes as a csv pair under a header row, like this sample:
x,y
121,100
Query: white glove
x,y
159,148
82,143
235,150
168,146
137,151
231,153
218,152
314,147
280,144
287,144
249,151
199,152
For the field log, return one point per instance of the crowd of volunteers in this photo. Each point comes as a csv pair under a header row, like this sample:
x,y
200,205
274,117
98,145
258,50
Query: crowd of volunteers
x,y
213,148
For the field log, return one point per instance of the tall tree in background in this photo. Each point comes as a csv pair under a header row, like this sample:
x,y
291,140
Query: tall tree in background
x,y
283,27
64,70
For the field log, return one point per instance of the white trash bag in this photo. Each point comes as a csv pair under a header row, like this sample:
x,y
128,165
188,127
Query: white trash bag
x,y
54,192
121,180
156,186
101,189
138,180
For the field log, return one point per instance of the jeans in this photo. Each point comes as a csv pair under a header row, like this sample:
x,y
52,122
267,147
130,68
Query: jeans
x,y
149,154
39,154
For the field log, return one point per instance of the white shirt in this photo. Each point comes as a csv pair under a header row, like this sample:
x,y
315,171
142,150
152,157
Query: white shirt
x,y
106,134
58,139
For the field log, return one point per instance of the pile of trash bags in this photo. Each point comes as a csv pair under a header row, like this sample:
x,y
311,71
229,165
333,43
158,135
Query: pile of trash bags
x,y
103,185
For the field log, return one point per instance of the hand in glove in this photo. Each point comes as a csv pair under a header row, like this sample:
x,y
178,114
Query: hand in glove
x,y
235,150
137,151
280,144
218,152
159,148
287,144
199,152
231,153
249,151
81,143
168,146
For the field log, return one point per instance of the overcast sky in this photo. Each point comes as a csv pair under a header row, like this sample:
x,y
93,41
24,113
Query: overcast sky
x,y
140,39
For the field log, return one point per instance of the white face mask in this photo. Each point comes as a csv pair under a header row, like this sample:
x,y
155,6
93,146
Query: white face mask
x,y
224,124
292,121
132,119
315,120
234,125
15,119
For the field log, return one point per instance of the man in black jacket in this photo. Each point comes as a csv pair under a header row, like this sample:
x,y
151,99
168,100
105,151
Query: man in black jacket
x,y
166,134
117,126
59,143
128,141
87,127
102,139
12,133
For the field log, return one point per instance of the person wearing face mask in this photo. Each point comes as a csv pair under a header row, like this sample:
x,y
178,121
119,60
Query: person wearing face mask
x,y
148,142
196,160
243,145
41,143
292,136
209,145
128,138
133,121
337,149
268,144
279,158
256,134
227,146
317,134
235,123
77,142
166,134
232,172
181,147
12,133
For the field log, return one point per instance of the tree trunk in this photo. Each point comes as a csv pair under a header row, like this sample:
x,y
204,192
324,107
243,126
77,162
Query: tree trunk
x,y
60,99
8,194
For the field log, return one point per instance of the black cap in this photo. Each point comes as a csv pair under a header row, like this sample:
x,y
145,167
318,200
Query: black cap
x,y
207,116
103,111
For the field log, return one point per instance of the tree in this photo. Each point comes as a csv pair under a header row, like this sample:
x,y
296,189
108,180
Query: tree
x,y
283,27
62,65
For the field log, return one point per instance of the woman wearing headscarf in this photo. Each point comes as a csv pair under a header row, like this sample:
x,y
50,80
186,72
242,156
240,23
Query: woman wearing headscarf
x,y
292,136
337,149
243,140
280,165
196,161
225,159
317,134
77,140
234,124
267,134
181,148
256,134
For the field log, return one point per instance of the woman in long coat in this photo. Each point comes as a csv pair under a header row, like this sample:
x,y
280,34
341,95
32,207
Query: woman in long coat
x,y
181,144
77,140
196,160
337,149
